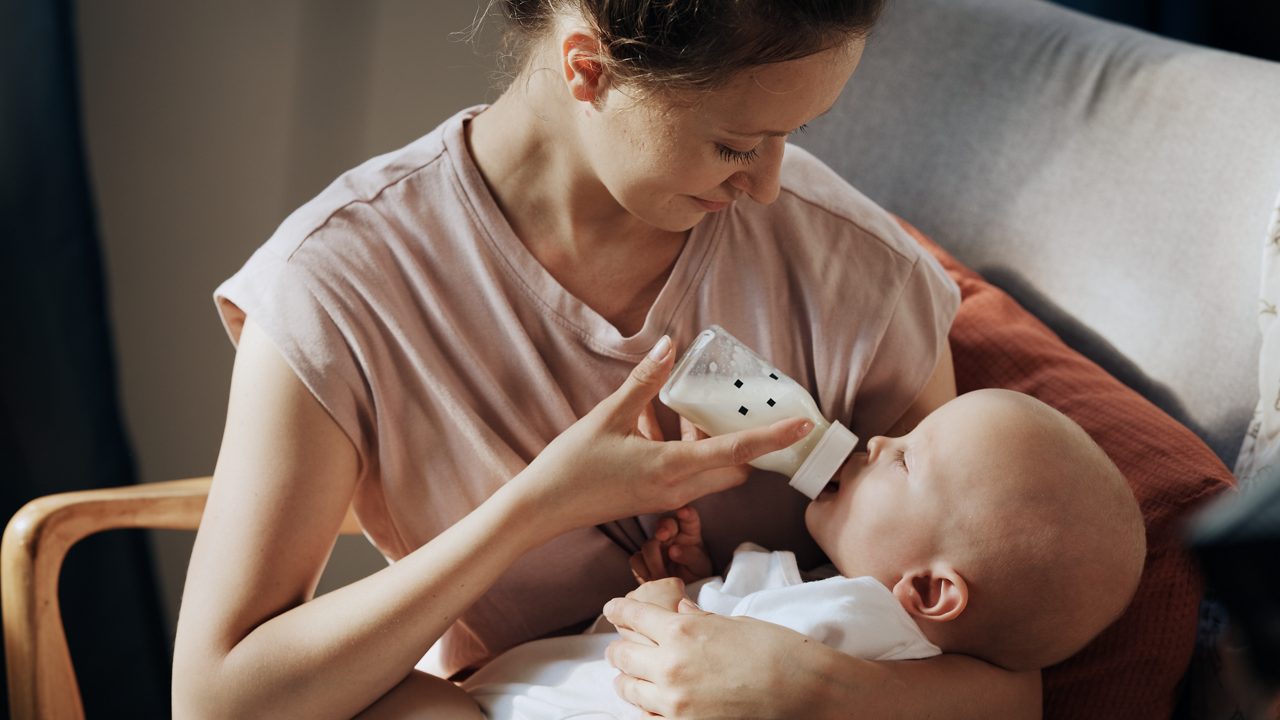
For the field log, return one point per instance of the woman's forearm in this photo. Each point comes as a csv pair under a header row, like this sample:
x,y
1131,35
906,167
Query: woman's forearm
x,y
334,655
955,687
251,642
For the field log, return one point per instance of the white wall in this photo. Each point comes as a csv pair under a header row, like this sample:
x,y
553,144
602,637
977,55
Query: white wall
x,y
206,124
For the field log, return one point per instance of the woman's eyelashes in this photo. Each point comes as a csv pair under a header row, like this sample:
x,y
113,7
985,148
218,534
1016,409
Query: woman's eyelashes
x,y
744,157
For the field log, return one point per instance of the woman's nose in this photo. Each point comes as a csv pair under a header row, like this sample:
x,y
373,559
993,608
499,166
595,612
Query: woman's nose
x,y
761,181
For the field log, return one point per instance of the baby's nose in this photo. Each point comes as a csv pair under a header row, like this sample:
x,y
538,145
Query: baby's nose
x,y
873,446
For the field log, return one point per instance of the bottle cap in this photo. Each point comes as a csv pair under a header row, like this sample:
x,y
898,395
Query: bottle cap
x,y
823,461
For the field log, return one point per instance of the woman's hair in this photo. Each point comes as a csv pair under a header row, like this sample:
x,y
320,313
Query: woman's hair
x,y
694,44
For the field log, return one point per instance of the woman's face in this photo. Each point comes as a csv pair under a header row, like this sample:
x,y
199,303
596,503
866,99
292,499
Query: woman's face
x,y
671,161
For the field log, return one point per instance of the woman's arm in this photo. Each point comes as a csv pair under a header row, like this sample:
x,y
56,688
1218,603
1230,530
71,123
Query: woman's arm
x,y
251,642
939,389
702,666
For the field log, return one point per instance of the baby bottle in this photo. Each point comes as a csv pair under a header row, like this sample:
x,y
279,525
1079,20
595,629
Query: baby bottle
x,y
721,386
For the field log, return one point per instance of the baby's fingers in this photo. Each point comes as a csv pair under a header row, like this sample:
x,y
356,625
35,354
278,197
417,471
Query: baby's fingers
x,y
688,526
639,570
666,529
687,555
691,561
649,564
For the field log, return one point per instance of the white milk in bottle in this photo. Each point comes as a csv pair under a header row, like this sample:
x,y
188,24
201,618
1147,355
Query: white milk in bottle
x,y
721,386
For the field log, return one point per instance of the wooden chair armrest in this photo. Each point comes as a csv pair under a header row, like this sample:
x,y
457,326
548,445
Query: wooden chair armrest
x,y
42,682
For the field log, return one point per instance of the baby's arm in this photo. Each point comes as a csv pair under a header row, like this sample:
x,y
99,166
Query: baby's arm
x,y
675,550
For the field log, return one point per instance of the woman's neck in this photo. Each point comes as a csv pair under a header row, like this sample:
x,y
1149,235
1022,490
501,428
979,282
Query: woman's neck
x,y
526,147
562,213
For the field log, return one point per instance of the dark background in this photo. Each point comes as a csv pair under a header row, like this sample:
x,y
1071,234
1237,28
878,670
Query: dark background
x,y
1250,27
60,419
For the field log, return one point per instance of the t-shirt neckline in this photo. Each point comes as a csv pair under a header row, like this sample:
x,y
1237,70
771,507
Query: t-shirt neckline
x,y
542,286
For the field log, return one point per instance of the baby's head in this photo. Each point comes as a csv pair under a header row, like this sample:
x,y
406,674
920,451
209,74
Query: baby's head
x,y
998,523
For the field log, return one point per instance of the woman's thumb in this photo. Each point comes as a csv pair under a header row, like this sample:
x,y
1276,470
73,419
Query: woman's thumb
x,y
645,379
687,607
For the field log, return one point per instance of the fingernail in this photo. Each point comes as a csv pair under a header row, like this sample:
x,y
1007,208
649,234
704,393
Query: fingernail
x,y
659,351
687,605
804,428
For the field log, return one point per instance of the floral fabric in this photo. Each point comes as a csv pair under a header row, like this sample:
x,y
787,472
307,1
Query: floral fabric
x,y
1261,447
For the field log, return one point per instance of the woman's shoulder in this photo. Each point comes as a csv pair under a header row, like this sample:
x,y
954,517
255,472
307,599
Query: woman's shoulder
x,y
391,196
816,204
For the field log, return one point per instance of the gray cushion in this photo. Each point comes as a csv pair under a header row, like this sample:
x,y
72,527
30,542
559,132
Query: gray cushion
x,y
1117,184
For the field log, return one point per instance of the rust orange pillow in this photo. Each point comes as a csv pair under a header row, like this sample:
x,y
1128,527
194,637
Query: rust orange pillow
x,y
1131,671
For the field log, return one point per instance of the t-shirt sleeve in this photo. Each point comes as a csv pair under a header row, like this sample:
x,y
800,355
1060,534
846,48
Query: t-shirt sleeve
x,y
909,348
882,306
313,322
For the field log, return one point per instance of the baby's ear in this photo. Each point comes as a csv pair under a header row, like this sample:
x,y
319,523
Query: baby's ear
x,y
938,593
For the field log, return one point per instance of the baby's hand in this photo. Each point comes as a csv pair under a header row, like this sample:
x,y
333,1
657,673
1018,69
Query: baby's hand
x,y
675,550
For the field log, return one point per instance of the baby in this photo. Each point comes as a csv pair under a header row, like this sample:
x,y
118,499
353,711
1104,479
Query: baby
x,y
998,526
997,529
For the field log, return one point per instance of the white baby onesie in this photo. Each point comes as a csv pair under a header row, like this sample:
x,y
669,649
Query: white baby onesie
x,y
567,677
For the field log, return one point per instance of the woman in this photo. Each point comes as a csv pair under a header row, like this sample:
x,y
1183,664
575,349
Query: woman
x,y
436,340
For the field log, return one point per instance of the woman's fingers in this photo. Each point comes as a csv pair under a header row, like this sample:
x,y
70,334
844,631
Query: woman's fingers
x,y
641,693
640,387
665,593
689,431
739,447
643,662
647,423
639,617
647,619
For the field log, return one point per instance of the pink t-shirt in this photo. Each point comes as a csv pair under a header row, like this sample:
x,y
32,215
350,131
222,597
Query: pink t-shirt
x,y
450,357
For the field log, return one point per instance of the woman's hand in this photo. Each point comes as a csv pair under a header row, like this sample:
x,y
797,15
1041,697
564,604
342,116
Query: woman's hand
x,y
665,593
603,468
693,664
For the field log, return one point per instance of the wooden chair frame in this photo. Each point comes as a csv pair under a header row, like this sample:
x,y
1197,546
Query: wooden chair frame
x,y
42,680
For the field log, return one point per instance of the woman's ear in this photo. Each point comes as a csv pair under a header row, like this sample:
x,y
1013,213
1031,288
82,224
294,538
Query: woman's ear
x,y
584,74
938,594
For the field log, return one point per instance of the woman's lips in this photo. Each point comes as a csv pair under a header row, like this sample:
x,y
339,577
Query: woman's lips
x,y
711,205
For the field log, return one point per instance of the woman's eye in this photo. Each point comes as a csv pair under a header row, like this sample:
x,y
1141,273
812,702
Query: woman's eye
x,y
743,157
901,459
